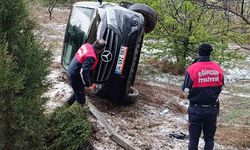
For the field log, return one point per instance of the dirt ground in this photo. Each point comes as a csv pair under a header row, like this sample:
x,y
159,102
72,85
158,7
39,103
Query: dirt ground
x,y
148,124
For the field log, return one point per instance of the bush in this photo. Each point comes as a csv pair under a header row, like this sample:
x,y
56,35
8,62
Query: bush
x,y
24,65
68,129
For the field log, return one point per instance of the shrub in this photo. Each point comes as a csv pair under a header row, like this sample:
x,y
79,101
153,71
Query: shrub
x,y
24,65
68,129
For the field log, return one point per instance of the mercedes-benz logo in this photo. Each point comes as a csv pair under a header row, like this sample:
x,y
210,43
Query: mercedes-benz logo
x,y
106,56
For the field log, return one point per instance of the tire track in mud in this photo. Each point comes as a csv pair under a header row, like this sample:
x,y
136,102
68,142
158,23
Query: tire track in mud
x,y
149,121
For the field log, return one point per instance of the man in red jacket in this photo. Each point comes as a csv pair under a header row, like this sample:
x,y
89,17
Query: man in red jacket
x,y
203,83
84,61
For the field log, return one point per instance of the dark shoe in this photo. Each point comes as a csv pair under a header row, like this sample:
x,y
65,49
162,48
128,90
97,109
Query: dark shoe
x,y
81,104
69,103
70,100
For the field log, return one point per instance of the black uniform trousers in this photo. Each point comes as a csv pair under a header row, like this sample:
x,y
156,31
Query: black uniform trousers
x,y
76,83
202,119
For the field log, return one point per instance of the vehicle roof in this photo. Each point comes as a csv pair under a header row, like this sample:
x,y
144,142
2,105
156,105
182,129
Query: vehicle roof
x,y
93,4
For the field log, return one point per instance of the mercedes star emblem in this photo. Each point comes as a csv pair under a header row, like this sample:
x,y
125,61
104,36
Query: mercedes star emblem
x,y
106,56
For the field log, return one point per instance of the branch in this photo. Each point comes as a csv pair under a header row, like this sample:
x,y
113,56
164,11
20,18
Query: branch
x,y
230,10
242,7
177,12
243,46
50,8
163,25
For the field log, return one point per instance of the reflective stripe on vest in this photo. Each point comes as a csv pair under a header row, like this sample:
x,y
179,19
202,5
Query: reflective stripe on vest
x,y
84,52
206,74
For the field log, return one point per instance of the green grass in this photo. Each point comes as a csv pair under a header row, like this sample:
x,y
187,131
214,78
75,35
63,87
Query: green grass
x,y
239,89
239,116
236,108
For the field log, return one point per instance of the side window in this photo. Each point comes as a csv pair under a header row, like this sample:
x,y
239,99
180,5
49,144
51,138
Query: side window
x,y
77,32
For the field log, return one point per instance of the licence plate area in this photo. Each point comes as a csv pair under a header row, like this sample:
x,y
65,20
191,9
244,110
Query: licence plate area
x,y
121,60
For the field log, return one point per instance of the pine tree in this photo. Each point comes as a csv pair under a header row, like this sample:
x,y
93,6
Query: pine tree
x,y
23,67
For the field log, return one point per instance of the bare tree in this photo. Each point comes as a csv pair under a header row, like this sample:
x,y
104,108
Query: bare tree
x,y
50,8
237,13
239,8
51,5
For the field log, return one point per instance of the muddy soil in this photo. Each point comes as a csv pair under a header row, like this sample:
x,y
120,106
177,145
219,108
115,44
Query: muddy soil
x,y
159,111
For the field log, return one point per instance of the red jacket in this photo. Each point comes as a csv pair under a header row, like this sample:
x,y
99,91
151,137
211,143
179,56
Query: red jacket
x,y
82,64
205,74
204,80
84,52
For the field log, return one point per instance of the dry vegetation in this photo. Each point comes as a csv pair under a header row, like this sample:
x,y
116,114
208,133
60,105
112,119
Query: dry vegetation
x,y
234,135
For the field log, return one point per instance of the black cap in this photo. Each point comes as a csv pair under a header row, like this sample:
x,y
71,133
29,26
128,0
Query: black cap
x,y
205,49
99,44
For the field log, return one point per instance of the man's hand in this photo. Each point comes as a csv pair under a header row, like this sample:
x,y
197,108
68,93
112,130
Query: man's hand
x,y
88,90
94,88
183,95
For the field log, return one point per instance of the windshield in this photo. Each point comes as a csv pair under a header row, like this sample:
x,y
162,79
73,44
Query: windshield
x,y
77,32
81,18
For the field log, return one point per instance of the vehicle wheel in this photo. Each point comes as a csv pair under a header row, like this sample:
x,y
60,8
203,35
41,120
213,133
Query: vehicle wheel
x,y
131,98
149,15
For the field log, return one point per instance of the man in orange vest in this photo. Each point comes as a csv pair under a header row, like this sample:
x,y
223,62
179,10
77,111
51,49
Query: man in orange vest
x,y
203,83
84,61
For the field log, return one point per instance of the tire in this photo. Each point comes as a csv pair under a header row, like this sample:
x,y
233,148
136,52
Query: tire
x,y
131,98
149,15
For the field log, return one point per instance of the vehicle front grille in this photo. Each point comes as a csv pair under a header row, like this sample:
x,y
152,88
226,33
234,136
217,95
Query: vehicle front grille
x,y
103,69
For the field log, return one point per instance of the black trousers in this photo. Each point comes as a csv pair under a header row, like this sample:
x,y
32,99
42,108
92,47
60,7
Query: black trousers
x,y
76,83
202,119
